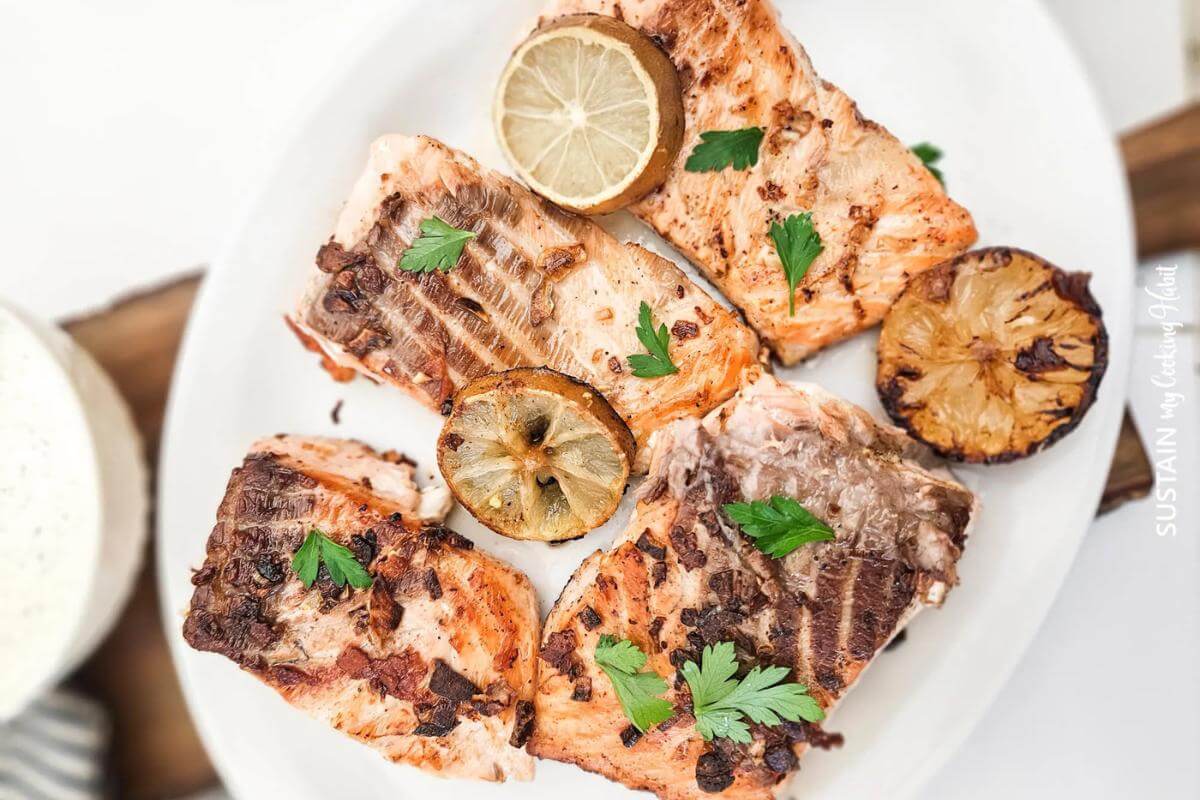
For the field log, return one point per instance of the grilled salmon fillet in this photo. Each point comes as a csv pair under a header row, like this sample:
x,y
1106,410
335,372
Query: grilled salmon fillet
x,y
683,576
536,287
433,664
881,215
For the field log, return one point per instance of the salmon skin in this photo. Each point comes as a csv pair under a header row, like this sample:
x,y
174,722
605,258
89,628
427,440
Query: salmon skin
x,y
881,214
537,286
432,665
683,576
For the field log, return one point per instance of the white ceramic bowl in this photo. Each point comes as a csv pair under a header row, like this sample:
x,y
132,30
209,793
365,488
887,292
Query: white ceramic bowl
x,y
73,506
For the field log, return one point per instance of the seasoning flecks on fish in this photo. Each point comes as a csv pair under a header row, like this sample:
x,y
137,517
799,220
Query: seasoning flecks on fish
x,y
683,576
431,664
534,286
881,215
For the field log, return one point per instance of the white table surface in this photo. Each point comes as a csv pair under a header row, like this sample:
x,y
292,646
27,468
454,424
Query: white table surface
x,y
132,131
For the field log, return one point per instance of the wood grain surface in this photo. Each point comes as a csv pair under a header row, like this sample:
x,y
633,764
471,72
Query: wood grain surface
x,y
156,753
1163,162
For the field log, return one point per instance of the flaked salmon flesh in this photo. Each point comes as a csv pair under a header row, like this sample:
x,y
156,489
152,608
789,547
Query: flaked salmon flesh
x,y
683,576
433,665
880,213
537,286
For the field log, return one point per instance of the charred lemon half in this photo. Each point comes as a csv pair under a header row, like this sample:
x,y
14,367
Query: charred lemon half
x,y
535,454
992,356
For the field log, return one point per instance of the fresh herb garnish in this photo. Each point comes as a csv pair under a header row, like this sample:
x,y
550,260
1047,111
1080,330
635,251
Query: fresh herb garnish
x,y
778,526
720,149
342,565
622,662
929,156
439,246
658,363
798,245
719,702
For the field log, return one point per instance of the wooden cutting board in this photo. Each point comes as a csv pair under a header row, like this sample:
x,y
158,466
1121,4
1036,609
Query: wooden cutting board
x,y
156,753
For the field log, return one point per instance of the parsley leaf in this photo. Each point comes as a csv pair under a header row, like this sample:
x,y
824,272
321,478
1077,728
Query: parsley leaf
x,y
439,246
343,567
798,245
929,156
622,662
778,526
721,704
308,558
658,363
720,149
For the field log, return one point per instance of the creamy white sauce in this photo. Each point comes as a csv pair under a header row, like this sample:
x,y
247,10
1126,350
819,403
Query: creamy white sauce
x,y
49,513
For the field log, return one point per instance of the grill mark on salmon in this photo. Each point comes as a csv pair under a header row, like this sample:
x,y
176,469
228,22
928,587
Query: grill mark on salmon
x,y
823,611
827,610
511,303
870,610
430,665
881,215
432,314
431,307
442,296
463,332
535,287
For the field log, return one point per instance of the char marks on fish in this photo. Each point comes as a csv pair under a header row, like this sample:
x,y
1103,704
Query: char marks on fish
x,y
432,664
683,576
881,215
536,286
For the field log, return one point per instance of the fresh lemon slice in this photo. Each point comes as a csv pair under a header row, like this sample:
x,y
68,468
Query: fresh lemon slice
x,y
589,113
534,454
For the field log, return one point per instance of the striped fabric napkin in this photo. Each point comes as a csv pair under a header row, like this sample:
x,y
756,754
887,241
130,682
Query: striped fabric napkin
x,y
54,750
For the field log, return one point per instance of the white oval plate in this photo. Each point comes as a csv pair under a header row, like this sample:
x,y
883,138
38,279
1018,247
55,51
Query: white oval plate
x,y
993,84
